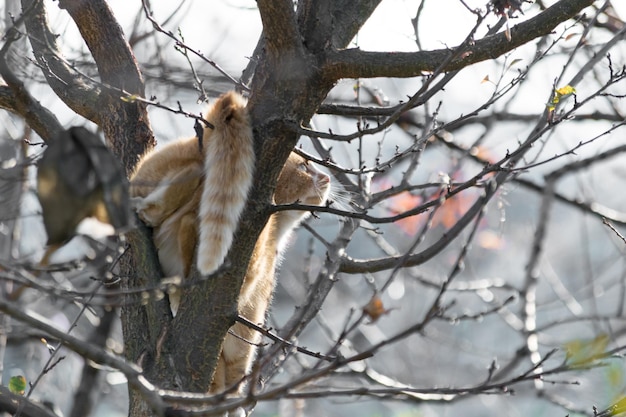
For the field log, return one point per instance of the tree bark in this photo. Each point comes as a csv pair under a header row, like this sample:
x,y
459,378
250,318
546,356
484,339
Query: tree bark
x,y
125,123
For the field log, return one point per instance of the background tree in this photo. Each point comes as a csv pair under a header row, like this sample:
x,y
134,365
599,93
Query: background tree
x,y
452,229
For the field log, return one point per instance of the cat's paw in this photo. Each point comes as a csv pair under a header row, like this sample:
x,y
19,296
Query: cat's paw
x,y
149,212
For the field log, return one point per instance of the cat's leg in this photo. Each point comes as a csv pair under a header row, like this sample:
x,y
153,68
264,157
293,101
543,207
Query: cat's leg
x,y
239,348
187,239
238,353
234,364
172,192
149,209
185,244
218,384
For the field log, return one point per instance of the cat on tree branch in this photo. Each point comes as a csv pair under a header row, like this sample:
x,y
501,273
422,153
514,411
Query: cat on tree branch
x,y
403,168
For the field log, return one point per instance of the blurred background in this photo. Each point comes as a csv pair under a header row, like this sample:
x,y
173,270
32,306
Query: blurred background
x,y
537,283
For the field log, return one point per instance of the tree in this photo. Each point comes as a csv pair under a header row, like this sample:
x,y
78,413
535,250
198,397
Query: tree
x,y
417,226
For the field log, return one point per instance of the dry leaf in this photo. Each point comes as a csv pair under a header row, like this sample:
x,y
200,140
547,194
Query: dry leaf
x,y
487,239
402,203
451,210
375,308
483,153
515,61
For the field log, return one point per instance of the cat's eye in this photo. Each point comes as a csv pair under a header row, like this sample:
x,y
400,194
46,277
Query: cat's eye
x,y
303,167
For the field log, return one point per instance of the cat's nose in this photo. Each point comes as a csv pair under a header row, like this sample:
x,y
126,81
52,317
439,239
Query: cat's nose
x,y
323,179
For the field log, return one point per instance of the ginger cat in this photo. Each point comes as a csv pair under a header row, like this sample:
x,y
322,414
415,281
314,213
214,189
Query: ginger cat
x,y
299,182
169,183
176,185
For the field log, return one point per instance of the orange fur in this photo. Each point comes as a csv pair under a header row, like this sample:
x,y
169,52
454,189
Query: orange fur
x,y
298,182
171,195
165,191
228,171
165,184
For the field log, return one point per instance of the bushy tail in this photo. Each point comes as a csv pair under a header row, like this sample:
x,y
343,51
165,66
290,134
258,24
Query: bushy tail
x,y
228,168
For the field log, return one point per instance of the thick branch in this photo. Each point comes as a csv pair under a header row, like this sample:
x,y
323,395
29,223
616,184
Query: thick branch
x,y
144,327
320,24
10,403
214,299
78,92
279,26
105,39
348,17
16,98
125,124
7,99
354,63
332,22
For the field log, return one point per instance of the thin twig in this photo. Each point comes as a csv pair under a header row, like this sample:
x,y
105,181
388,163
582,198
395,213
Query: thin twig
x,y
278,339
180,43
610,226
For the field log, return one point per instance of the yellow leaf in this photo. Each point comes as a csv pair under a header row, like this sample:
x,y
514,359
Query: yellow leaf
x,y
560,93
618,407
615,375
48,345
515,61
581,352
565,91
131,98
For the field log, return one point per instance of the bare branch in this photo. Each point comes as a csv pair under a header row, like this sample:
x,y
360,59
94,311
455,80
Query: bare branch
x,y
87,350
75,91
267,333
130,135
10,402
614,230
15,96
354,63
180,43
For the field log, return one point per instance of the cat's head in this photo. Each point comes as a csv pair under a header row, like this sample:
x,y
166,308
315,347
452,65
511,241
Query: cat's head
x,y
301,182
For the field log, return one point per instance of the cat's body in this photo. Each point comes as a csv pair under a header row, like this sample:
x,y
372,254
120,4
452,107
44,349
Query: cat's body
x,y
168,184
170,192
161,188
298,182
